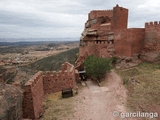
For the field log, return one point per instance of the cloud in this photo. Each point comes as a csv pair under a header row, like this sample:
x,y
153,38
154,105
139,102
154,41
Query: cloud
x,y
64,18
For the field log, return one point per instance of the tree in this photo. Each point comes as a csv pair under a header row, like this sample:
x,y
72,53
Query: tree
x,y
97,67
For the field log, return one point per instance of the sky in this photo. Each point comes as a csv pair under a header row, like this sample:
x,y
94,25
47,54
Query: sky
x,y
65,18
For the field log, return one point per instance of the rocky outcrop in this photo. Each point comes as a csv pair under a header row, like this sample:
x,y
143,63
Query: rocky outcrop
x,y
106,35
151,56
97,37
10,102
123,62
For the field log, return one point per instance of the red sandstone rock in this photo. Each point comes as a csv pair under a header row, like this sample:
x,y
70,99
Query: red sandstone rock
x,y
10,102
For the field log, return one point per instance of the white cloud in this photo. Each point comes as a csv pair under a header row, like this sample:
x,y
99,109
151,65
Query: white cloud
x,y
65,18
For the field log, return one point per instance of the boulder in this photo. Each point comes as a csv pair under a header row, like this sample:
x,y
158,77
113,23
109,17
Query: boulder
x,y
151,57
10,102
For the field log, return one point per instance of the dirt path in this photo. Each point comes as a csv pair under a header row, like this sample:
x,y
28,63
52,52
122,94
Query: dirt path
x,y
92,102
99,103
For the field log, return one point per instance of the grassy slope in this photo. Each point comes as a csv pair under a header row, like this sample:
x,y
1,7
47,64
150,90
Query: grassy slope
x,y
54,62
143,94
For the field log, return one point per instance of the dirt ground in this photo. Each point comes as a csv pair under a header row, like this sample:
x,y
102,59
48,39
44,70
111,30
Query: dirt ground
x,y
92,102
99,103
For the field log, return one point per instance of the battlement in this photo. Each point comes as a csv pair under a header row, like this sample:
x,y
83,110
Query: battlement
x,y
30,84
45,83
102,10
99,13
152,24
64,78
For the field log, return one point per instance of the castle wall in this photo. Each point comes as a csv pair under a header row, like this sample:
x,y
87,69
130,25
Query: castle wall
x,y
106,34
99,19
33,97
97,48
98,13
41,84
129,41
152,36
56,81
98,38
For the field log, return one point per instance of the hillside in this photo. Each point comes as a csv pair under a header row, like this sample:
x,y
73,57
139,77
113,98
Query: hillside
x,y
21,74
143,87
54,62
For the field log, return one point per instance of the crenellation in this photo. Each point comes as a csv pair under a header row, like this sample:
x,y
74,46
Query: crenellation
x,y
42,84
155,22
125,41
110,37
109,10
48,73
146,25
152,25
54,73
65,72
57,75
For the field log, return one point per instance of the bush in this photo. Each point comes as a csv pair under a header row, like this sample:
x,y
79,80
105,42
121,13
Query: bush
x,y
97,67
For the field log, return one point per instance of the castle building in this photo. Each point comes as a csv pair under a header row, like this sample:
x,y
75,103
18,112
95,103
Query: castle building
x,y
106,34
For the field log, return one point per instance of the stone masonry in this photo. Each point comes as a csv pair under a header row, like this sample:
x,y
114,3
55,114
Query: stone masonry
x,y
106,35
41,84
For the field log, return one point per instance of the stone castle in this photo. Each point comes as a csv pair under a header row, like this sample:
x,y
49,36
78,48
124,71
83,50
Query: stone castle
x,y
106,35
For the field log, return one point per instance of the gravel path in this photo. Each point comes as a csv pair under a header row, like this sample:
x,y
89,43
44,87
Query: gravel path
x,y
99,103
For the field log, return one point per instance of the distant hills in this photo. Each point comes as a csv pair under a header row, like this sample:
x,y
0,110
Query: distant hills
x,y
34,41
37,39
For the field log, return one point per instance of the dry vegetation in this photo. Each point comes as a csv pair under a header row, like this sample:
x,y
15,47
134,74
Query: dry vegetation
x,y
143,86
58,108
39,56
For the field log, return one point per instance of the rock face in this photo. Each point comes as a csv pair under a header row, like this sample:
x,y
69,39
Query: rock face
x,y
10,102
106,35
151,56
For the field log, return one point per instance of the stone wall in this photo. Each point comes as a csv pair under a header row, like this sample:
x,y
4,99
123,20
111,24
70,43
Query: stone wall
x,y
120,17
98,13
56,81
106,35
33,97
98,35
128,42
152,36
41,84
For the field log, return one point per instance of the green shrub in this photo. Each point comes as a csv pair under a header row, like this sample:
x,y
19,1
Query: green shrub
x,y
97,67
